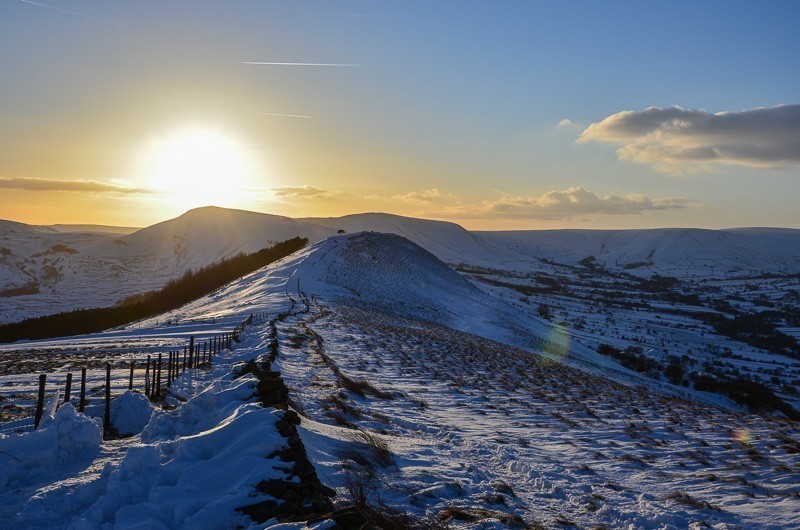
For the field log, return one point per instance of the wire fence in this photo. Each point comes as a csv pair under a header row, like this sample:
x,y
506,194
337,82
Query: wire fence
x,y
152,377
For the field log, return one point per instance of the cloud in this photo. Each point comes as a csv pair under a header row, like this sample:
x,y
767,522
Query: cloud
x,y
301,192
68,12
346,65
280,115
66,185
676,140
570,203
566,122
430,195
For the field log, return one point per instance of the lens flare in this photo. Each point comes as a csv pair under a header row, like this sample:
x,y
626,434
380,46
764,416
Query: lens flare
x,y
557,343
743,436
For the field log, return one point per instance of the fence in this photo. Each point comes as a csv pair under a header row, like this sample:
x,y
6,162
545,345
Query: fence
x,y
159,374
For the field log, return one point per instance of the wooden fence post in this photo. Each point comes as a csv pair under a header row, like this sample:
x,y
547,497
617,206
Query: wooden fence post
x,y
107,415
169,369
157,389
40,401
82,404
184,360
147,378
205,345
130,379
68,389
191,351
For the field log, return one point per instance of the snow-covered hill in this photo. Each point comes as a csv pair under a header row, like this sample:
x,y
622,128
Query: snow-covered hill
x,y
680,252
45,270
416,396
204,235
448,241
389,273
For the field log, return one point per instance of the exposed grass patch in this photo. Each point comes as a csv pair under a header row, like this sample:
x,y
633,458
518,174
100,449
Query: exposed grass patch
x,y
377,448
687,500
473,514
378,514
364,388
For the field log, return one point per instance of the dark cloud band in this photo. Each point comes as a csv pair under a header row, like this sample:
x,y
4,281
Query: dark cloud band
x,y
65,185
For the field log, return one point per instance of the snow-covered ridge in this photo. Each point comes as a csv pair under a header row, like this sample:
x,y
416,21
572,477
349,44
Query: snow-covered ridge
x,y
668,251
391,274
44,270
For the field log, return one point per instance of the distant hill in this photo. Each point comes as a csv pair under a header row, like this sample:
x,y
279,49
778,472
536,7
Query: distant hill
x,y
102,229
447,241
48,269
665,251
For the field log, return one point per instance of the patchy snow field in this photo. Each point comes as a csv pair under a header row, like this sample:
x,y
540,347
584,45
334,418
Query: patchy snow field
x,y
418,393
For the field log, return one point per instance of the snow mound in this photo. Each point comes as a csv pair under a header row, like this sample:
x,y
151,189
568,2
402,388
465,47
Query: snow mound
x,y
391,274
130,412
65,439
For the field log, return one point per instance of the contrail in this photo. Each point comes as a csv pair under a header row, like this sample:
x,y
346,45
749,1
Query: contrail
x,y
284,115
307,64
77,14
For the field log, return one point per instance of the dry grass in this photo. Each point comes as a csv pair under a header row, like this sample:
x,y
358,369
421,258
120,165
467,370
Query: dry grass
x,y
363,388
377,513
687,500
472,514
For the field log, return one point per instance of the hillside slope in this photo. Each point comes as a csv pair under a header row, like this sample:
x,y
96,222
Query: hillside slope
x,y
668,251
413,395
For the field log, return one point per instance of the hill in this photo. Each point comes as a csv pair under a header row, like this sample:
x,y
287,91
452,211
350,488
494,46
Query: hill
x,y
416,401
44,270
680,252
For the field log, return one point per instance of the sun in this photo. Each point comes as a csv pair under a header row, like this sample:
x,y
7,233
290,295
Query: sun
x,y
199,167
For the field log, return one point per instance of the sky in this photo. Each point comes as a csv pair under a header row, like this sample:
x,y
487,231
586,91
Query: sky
x,y
494,115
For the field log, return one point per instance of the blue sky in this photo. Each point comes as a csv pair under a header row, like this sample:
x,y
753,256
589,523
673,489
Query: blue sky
x,y
449,110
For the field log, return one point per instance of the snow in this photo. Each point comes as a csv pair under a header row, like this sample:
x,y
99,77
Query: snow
x,y
486,423
101,267
191,467
65,438
130,412
664,251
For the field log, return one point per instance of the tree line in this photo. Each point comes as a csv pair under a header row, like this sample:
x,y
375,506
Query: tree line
x,y
191,286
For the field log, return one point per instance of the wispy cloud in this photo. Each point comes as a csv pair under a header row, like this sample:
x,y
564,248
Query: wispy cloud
x,y
301,192
284,115
569,203
74,13
676,140
350,14
572,203
66,185
430,195
263,63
